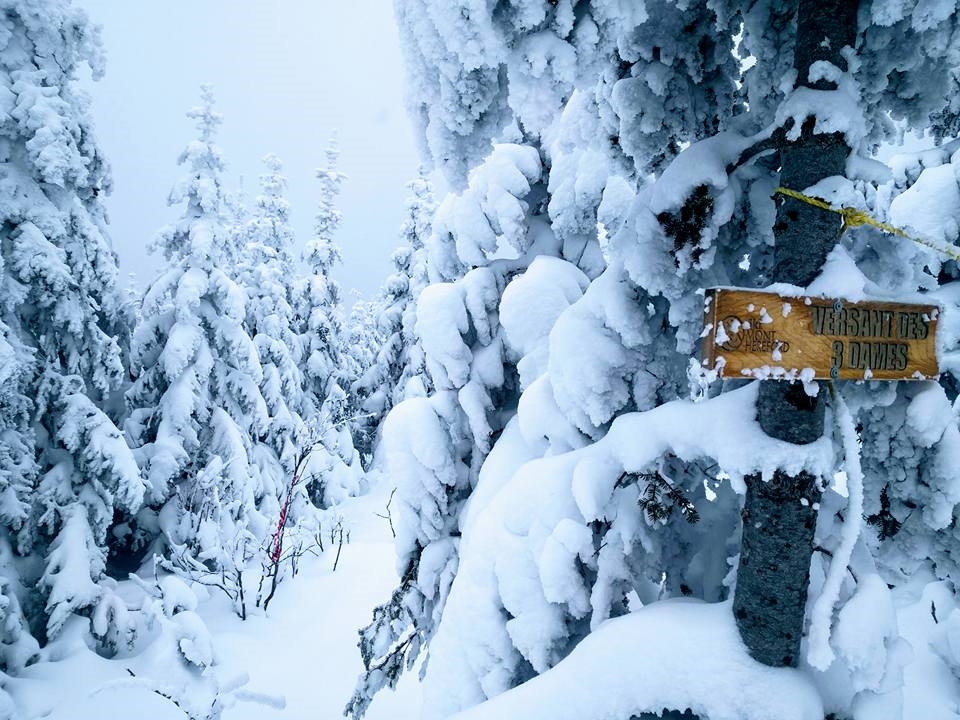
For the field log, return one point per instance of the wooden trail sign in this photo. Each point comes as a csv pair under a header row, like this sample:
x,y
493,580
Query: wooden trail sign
x,y
749,333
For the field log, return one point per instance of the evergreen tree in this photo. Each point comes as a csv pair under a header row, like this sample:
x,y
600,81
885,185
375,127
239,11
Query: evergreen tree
x,y
236,218
268,275
65,469
435,446
411,260
558,407
364,342
320,295
398,370
334,468
195,402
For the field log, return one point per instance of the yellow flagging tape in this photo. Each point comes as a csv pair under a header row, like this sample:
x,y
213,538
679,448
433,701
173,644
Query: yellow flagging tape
x,y
853,218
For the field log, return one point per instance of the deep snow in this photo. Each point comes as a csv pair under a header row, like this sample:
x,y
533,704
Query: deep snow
x,y
304,649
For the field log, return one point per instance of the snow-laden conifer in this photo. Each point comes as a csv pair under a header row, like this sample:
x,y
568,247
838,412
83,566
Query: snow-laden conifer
x,y
334,469
364,341
320,296
65,469
435,445
657,179
269,272
195,403
398,370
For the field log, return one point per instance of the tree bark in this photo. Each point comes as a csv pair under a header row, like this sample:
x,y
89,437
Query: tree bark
x,y
778,528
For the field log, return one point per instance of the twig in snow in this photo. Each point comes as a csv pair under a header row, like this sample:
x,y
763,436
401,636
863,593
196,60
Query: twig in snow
x,y
338,533
821,549
389,516
145,684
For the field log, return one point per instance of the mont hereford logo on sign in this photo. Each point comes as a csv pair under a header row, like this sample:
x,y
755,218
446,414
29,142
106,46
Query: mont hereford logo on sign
x,y
749,333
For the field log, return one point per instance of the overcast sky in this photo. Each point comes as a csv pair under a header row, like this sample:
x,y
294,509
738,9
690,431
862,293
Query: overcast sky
x,y
287,74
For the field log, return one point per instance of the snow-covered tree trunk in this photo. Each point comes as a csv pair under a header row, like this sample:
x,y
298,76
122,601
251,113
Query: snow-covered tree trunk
x,y
778,527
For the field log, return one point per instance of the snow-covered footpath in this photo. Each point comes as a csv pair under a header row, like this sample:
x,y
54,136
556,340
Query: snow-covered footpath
x,y
304,649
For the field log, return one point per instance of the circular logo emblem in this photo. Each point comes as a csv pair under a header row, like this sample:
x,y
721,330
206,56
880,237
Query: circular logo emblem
x,y
734,339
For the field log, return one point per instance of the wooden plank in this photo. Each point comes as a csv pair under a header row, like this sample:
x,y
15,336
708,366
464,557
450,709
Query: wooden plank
x,y
750,333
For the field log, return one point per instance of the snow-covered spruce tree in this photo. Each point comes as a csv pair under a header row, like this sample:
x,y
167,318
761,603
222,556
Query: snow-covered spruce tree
x,y
195,402
911,496
236,218
268,275
65,469
334,469
398,370
364,340
435,445
320,296
583,501
479,363
414,381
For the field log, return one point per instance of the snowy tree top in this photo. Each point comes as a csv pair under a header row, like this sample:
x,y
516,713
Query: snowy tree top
x,y
328,217
207,119
200,233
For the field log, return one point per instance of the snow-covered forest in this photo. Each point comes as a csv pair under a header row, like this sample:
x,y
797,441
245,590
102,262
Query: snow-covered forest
x,y
507,485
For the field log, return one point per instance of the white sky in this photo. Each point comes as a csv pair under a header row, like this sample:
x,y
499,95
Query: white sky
x,y
287,73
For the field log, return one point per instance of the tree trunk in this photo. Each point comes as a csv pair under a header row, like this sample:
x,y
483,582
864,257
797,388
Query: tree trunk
x,y
778,528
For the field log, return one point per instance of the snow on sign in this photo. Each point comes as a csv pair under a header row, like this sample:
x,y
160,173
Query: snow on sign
x,y
749,333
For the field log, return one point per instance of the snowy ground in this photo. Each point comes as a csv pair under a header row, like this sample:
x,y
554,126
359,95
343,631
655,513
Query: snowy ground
x,y
305,650
924,612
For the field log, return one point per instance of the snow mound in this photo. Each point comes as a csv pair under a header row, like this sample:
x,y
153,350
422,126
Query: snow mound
x,y
507,606
674,654
931,206
529,309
